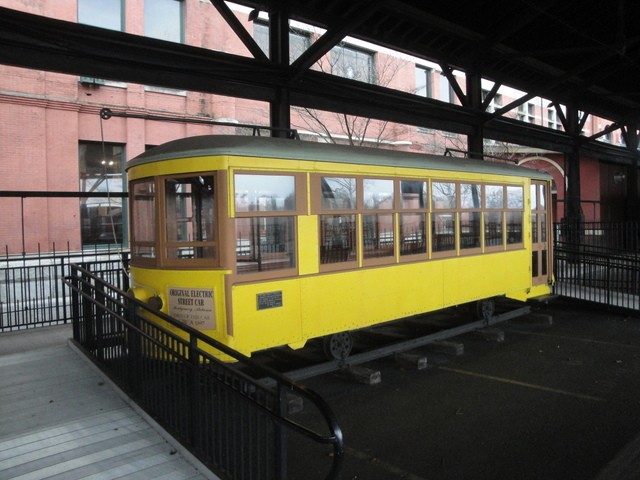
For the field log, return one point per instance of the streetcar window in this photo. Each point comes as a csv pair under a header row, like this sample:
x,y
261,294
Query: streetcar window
x,y
265,193
534,197
443,229
469,230
337,238
515,197
514,227
265,243
378,235
338,193
443,195
143,223
494,196
515,201
493,229
470,195
413,233
378,194
190,217
413,194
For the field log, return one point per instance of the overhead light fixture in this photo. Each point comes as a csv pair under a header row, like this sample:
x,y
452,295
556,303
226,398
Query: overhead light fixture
x,y
253,15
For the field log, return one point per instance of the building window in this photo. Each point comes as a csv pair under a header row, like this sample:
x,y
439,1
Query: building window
x,y
101,170
447,93
424,81
552,119
352,63
299,41
495,103
527,113
101,13
163,19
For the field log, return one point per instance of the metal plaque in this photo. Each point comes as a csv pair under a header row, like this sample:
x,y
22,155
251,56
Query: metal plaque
x,y
269,300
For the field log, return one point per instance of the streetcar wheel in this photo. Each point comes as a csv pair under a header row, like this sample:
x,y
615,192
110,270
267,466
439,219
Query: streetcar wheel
x,y
337,346
485,308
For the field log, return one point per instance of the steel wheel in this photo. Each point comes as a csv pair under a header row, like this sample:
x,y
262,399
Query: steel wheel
x,y
337,346
485,308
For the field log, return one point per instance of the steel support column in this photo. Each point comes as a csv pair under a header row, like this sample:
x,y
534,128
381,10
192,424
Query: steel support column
x,y
632,140
573,210
475,140
280,108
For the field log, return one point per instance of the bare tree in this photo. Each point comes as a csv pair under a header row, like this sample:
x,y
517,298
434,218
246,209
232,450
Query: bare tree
x,y
342,128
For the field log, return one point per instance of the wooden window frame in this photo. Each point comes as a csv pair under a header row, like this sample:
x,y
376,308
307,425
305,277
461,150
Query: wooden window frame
x,y
507,210
448,210
135,259
317,209
470,210
164,244
301,208
424,211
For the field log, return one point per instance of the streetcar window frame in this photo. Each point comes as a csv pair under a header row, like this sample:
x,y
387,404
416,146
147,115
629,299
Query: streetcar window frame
x,y
179,251
161,244
285,261
138,244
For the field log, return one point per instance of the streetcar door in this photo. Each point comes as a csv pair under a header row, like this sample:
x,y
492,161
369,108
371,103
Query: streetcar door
x,y
540,233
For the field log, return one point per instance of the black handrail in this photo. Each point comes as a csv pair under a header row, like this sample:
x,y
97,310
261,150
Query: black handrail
x,y
237,423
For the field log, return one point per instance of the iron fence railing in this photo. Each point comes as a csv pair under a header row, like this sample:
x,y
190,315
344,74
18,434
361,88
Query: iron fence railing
x,y
235,417
31,293
624,236
598,262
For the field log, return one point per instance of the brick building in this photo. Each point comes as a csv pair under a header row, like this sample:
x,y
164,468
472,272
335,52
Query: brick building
x,y
53,139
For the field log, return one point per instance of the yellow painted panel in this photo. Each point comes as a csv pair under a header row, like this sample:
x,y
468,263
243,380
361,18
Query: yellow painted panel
x,y
357,299
257,329
475,277
308,249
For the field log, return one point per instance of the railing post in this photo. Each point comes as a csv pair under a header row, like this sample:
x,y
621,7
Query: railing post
x,y
195,403
88,312
100,306
75,306
281,437
134,346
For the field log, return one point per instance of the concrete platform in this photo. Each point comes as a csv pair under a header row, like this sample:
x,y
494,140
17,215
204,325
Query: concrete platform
x,y
61,419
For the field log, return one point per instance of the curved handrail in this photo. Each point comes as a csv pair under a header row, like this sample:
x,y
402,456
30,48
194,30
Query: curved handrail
x,y
121,304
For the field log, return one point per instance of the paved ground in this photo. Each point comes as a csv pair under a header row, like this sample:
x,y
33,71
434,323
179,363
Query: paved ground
x,y
550,402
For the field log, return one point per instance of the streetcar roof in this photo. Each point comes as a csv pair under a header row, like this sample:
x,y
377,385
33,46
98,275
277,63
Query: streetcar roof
x,y
281,148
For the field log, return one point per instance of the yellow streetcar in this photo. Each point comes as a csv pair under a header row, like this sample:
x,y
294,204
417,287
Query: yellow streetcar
x,y
262,242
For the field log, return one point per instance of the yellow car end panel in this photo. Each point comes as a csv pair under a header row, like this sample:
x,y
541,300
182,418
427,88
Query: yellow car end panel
x,y
198,299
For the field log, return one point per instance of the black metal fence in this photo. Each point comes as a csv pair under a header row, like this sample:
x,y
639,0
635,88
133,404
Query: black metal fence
x,y
235,417
31,293
598,262
620,236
